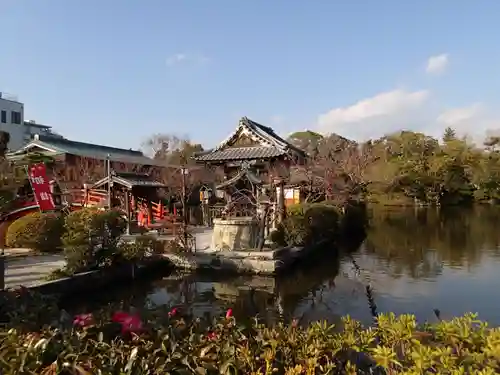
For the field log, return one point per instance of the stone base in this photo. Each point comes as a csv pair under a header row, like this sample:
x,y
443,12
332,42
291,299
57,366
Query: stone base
x,y
268,262
235,233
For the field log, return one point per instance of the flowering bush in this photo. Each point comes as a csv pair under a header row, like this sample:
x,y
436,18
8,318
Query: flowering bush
x,y
169,342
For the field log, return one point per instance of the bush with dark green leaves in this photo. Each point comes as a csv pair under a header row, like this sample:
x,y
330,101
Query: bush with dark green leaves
x,y
171,341
307,224
354,218
91,239
141,248
37,231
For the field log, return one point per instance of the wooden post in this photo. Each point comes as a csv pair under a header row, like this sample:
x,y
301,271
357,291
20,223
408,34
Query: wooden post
x,y
280,192
150,212
108,167
127,210
184,206
2,270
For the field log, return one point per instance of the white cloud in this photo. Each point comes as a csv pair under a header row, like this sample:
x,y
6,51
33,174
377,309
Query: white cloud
x,y
473,120
179,58
437,64
381,114
397,110
391,111
456,116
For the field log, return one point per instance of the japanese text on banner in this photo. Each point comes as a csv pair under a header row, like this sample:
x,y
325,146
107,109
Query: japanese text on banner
x,y
41,187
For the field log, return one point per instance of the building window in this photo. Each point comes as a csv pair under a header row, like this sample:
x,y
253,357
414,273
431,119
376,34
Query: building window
x,y
15,117
3,118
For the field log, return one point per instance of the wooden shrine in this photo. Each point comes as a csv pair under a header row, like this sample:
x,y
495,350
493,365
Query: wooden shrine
x,y
254,158
256,147
138,195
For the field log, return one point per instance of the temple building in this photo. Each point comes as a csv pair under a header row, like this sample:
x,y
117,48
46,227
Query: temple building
x,y
256,163
256,146
79,162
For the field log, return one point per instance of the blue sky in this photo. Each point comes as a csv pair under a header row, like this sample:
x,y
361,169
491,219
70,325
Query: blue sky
x,y
115,72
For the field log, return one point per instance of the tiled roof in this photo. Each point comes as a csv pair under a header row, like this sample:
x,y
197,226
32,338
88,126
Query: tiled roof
x,y
270,135
272,145
36,125
241,153
66,146
130,180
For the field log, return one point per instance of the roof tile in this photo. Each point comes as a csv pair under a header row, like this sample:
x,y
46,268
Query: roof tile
x,y
242,153
273,145
60,145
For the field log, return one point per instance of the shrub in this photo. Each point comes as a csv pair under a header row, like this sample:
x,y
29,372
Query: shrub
x,y
23,308
296,209
141,248
7,196
307,224
323,221
91,239
37,231
172,342
354,218
59,273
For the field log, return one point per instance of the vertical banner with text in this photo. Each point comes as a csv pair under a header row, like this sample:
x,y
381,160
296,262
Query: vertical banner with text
x,y
41,187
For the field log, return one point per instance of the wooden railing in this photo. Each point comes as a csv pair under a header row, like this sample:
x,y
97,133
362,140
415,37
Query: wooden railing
x,y
90,199
93,198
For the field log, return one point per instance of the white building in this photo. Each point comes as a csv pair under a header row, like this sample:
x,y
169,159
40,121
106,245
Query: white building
x,y
12,121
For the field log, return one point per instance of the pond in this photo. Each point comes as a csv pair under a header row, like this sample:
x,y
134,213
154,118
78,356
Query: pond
x,y
416,260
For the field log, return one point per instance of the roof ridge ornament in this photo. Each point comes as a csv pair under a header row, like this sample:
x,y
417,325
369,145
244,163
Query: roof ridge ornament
x,y
245,165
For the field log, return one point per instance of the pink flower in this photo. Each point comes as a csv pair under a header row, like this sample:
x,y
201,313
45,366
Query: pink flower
x,y
83,320
229,313
295,323
172,312
212,336
129,323
132,324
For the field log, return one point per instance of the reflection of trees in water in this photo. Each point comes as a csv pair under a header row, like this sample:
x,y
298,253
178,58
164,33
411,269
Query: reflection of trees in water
x,y
309,285
270,298
121,297
416,242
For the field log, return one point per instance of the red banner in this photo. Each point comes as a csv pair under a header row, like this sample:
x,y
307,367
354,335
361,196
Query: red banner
x,y
41,187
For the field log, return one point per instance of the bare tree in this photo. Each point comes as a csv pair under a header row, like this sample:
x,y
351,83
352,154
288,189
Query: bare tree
x,y
171,149
179,171
336,170
90,170
4,141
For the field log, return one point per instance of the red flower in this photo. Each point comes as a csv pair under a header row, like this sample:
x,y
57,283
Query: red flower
x,y
132,324
229,313
172,312
83,320
119,316
212,336
129,323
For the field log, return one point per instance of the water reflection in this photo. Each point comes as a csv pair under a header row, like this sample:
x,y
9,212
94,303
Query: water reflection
x,y
416,260
423,259
271,299
455,237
